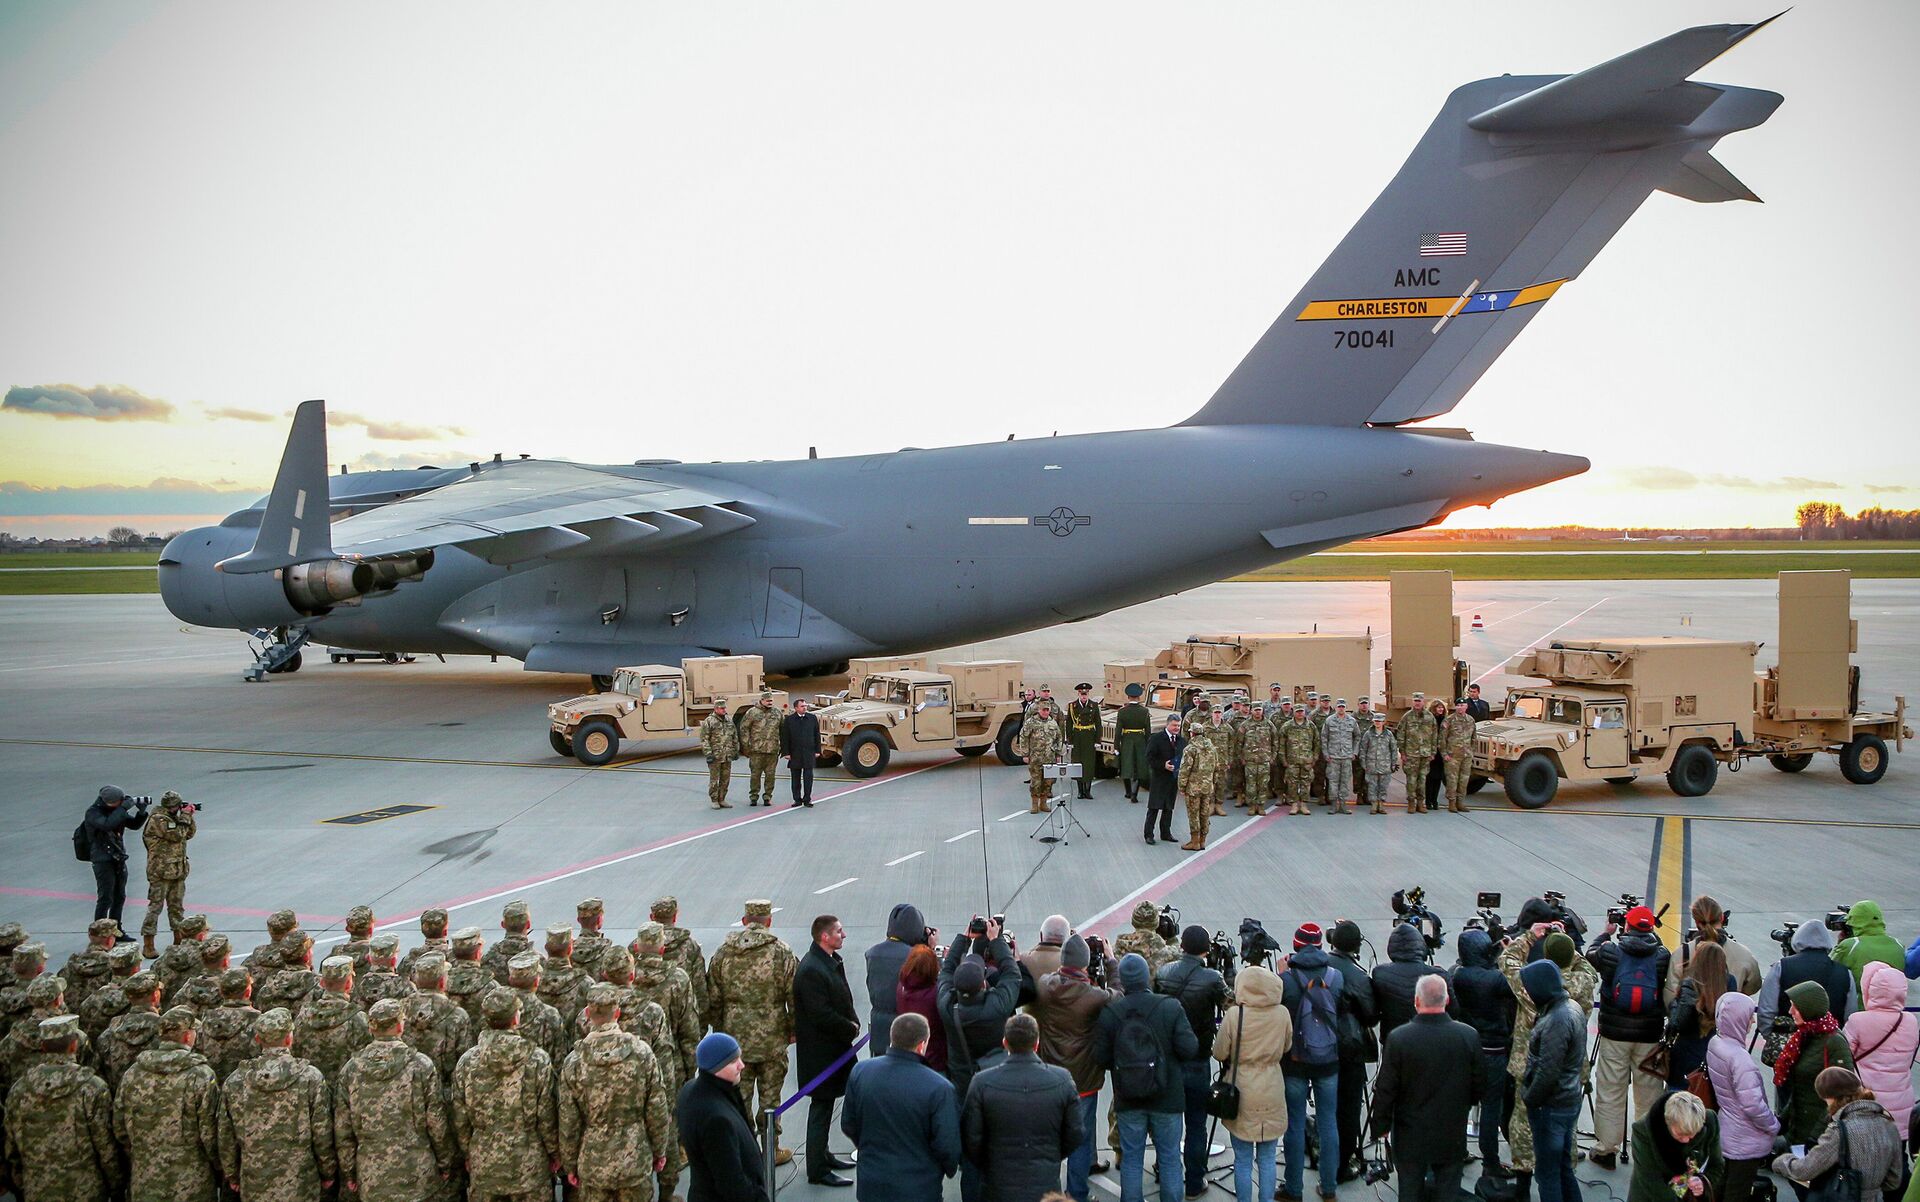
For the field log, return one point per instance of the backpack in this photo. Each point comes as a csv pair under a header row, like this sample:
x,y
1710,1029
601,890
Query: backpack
x,y
82,843
1136,1058
1316,1025
1636,984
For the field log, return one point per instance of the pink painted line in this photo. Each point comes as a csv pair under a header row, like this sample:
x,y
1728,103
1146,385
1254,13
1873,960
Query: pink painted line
x,y
132,902
1190,866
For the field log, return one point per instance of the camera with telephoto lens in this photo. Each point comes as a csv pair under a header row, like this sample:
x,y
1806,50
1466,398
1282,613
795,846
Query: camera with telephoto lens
x,y
1560,912
1784,937
1836,921
977,927
1256,946
1169,924
1617,914
1219,955
1097,960
1411,907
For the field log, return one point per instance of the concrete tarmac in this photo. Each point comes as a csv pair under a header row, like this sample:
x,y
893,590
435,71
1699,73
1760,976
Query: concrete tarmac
x,y
112,690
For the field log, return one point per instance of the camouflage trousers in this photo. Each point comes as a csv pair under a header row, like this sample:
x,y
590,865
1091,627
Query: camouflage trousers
x,y
1299,786
760,773
1519,1134
1415,768
1319,787
1377,790
760,1085
1236,783
1457,770
1221,776
1199,817
1039,789
1339,783
719,776
172,895
637,1193
1276,773
1259,789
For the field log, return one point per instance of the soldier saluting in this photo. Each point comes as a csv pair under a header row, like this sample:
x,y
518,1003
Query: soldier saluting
x,y
1083,732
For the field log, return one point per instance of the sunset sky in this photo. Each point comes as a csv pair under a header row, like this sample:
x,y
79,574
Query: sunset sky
x,y
609,232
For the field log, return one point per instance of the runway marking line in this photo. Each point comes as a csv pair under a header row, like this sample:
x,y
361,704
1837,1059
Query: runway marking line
x,y
1179,874
140,902
830,888
903,859
1835,822
1667,876
962,835
1543,638
1012,816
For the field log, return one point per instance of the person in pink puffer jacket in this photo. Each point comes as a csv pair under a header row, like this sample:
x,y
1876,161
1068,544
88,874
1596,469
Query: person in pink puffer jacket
x,y
1884,1040
1747,1122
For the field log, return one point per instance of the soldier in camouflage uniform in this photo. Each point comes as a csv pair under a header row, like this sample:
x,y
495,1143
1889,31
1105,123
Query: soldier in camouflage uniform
x,y
1418,736
433,936
750,997
265,959
1237,720
21,1051
28,961
617,965
1339,743
12,935
166,1114
720,743
89,969
589,945
467,977
380,981
165,835
436,1025
1256,761
330,1028
539,1022
1581,980
616,1110
1456,750
516,927
225,1037
182,960
1379,760
503,1110
759,728
110,1000
276,1120
290,987
1199,777
201,991
359,926
1143,939
1322,710
59,1125
1299,752
390,1123
133,1032
655,980
683,949
1039,743
563,984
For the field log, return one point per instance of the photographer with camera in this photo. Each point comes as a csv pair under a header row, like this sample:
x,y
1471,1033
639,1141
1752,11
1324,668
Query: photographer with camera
x,y
1633,1017
1866,941
1415,936
1202,993
1541,934
1486,1003
1359,1012
1067,1004
1431,1075
1806,955
102,835
166,836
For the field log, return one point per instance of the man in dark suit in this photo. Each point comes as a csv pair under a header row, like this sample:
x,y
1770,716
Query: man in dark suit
x,y
824,1028
1477,708
1164,748
1431,1075
721,1149
800,743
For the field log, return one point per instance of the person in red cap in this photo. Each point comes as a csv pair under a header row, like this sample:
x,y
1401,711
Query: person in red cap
x,y
1311,992
1633,1017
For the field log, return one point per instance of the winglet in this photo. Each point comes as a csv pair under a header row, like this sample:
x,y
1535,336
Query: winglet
x,y
295,528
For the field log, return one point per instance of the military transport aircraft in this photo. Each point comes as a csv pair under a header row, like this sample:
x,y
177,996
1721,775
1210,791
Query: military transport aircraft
x,y
570,567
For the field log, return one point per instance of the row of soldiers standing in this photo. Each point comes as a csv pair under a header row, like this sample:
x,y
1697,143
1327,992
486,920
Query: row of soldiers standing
x,y
460,1068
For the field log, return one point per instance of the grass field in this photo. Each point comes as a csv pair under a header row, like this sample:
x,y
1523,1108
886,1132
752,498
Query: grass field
x,y
77,559
44,584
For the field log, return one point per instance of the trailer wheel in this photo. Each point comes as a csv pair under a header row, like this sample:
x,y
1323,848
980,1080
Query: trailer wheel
x,y
1476,783
595,742
1003,743
1864,760
866,754
1797,762
1694,771
559,742
1532,781
337,658
973,752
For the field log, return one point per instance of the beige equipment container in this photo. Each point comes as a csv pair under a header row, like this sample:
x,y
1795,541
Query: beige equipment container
x,y
967,706
1810,701
1421,641
1300,662
653,702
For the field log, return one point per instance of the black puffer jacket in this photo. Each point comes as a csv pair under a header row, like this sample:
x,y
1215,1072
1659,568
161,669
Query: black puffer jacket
x,y
1022,1118
905,928
1481,993
1393,981
1201,993
1606,956
1359,1012
1557,1049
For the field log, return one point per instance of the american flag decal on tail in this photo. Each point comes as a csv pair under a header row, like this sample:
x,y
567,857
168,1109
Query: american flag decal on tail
x,y
1440,246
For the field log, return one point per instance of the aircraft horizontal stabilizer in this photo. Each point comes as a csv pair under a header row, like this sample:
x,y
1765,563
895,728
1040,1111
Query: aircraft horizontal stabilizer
x,y
1701,177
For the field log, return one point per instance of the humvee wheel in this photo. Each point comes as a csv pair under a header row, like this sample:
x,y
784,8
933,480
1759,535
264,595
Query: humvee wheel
x,y
1797,762
1476,783
1618,781
595,742
828,759
866,754
1003,743
1694,771
973,752
1864,760
601,683
1532,782
559,742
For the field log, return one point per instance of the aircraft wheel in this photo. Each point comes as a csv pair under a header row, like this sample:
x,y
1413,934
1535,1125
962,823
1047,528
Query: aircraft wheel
x,y
975,751
1797,762
1476,783
1003,743
559,742
596,742
1694,771
1864,761
1532,782
867,754
391,657
292,665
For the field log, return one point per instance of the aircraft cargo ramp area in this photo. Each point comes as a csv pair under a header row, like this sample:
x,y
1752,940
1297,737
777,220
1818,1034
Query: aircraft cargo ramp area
x,y
405,786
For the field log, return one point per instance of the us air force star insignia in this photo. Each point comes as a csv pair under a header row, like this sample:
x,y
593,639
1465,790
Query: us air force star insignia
x,y
1062,521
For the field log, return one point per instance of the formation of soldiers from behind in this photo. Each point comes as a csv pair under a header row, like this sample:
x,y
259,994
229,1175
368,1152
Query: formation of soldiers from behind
x,y
461,1070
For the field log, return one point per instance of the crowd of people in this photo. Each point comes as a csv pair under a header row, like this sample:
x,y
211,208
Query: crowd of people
x,y
515,1068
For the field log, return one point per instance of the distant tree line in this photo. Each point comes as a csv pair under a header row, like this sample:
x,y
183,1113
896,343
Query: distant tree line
x,y
1824,519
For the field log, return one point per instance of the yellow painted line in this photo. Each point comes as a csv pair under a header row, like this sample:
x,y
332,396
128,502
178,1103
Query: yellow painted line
x,y
1561,807
1669,875
1536,294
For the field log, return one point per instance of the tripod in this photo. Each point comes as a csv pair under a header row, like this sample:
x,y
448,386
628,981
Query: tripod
x,y
1060,822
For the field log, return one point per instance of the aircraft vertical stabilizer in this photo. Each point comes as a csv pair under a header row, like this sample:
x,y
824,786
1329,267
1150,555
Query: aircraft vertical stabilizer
x,y
295,527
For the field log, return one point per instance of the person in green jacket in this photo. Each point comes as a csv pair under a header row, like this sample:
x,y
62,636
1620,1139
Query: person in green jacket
x,y
1131,726
1816,1044
1869,941
1676,1152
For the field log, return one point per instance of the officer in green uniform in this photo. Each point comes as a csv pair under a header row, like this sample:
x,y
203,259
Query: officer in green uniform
x,y
1131,726
1256,760
1456,748
1419,736
1083,732
1039,743
1299,751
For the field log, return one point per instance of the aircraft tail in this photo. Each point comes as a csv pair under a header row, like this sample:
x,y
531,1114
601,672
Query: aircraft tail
x,y
295,528
1512,191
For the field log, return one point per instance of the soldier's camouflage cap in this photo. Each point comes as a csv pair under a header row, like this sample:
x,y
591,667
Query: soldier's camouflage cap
x,y
45,990
558,937
181,1018
1379,715
515,914
272,1027
193,924
386,1014
616,963
1418,696
102,926
171,798
759,907
280,922
651,938
12,935
1340,703
589,905
603,996
215,948
360,918
433,921
766,694
466,939
234,982
1260,707
293,943
336,968
29,955
664,909
124,955
429,967
141,984
499,1005
59,1028
384,945
526,964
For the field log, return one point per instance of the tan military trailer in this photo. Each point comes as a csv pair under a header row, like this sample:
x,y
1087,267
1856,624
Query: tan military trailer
x,y
965,706
652,702
1422,637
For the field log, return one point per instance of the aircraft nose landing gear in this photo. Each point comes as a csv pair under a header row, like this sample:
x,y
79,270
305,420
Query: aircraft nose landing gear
x,y
278,652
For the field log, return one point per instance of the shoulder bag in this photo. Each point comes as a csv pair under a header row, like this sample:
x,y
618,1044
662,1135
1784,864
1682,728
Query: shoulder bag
x,y
1223,1100
1842,1182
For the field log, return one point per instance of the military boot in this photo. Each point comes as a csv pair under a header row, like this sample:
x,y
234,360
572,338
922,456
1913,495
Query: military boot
x,y
147,949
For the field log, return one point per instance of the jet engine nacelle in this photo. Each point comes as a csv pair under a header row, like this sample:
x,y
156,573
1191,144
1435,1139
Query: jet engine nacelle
x,y
196,591
314,588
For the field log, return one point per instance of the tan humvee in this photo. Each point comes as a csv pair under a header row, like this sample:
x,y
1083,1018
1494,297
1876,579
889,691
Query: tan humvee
x,y
965,707
651,702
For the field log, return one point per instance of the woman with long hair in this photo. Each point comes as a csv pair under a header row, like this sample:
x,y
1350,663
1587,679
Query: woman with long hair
x,y
1690,1021
917,993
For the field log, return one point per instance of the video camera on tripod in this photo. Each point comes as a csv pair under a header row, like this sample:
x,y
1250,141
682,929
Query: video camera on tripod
x,y
1411,907
1168,924
1486,917
1256,946
1835,921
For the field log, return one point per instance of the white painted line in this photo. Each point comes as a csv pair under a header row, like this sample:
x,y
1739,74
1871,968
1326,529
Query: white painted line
x,y
962,835
1102,1181
1213,851
238,653
903,859
1010,817
1543,638
1485,626
830,888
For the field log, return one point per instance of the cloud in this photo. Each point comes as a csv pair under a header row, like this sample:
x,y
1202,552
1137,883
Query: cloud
x,y
244,415
166,494
378,461
1655,478
391,431
101,403
1878,489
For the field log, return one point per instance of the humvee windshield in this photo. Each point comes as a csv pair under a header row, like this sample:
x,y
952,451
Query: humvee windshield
x,y
626,682
1563,710
887,690
1164,697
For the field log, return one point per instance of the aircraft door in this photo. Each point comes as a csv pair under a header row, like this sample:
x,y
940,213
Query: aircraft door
x,y
933,713
1606,735
786,604
663,704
